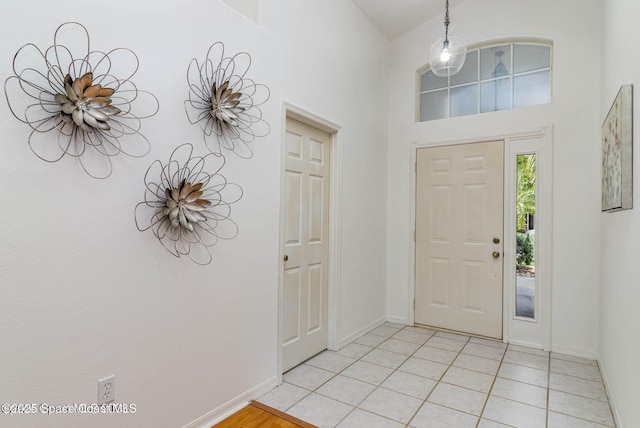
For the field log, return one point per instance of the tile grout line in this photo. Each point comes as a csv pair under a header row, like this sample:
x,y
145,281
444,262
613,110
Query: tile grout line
x,y
411,355
391,374
372,391
467,340
376,386
319,386
438,381
458,353
586,420
491,389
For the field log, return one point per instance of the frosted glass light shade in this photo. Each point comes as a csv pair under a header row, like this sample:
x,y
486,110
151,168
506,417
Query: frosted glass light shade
x,y
449,62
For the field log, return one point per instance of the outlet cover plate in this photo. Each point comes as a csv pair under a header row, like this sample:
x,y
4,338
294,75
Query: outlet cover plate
x,y
106,389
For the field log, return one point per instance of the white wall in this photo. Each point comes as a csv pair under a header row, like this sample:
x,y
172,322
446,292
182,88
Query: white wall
x,y
619,291
573,25
85,295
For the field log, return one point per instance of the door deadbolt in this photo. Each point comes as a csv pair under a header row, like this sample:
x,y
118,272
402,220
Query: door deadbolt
x,y
496,240
286,258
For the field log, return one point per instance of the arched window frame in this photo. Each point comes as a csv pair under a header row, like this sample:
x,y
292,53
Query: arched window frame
x,y
484,83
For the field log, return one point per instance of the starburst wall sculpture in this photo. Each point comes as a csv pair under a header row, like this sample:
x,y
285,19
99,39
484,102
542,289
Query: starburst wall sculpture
x,y
187,204
224,102
83,103
79,102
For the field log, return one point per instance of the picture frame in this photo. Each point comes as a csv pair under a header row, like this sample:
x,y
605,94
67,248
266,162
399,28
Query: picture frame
x,y
617,153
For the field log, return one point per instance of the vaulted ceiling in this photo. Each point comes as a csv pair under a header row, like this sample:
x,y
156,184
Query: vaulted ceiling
x,y
395,17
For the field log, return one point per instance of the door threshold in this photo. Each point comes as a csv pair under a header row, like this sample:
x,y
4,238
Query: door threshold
x,y
464,333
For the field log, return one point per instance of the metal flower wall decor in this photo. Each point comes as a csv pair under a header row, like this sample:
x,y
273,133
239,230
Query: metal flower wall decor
x,y
78,100
186,206
224,102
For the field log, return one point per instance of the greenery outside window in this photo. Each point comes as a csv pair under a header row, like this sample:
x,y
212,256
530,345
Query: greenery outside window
x,y
494,77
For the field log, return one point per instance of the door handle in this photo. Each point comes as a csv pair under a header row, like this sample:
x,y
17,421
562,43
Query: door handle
x,y
495,254
286,258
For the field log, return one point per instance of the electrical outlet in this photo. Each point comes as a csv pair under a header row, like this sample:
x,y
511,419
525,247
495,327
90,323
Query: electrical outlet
x,y
107,389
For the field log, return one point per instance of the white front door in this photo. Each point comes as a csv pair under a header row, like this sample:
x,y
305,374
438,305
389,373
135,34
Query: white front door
x,y
459,227
306,234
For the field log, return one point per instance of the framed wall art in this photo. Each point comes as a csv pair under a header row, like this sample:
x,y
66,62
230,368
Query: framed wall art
x,y
617,153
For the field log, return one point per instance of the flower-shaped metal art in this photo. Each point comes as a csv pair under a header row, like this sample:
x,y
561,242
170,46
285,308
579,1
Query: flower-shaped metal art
x,y
224,102
79,102
187,204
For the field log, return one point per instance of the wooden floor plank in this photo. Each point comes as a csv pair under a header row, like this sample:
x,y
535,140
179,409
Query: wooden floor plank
x,y
258,415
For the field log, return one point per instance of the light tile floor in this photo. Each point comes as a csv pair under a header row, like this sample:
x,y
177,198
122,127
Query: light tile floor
x,y
398,376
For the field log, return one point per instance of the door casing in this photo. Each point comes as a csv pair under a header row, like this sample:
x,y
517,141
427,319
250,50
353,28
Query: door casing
x,y
301,115
543,218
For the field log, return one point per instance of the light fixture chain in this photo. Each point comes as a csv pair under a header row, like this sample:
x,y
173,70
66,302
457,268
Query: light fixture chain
x,y
446,21
446,57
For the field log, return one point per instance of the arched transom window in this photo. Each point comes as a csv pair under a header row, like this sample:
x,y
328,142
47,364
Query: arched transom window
x,y
498,76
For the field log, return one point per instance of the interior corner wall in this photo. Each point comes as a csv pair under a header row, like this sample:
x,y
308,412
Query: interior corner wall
x,y
620,231
575,117
84,295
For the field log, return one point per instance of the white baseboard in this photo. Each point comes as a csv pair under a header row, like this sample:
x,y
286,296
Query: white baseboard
x,y
607,387
591,355
233,405
399,320
356,334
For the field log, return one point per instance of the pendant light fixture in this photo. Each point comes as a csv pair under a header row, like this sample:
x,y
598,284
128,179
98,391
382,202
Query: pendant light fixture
x,y
501,69
447,54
